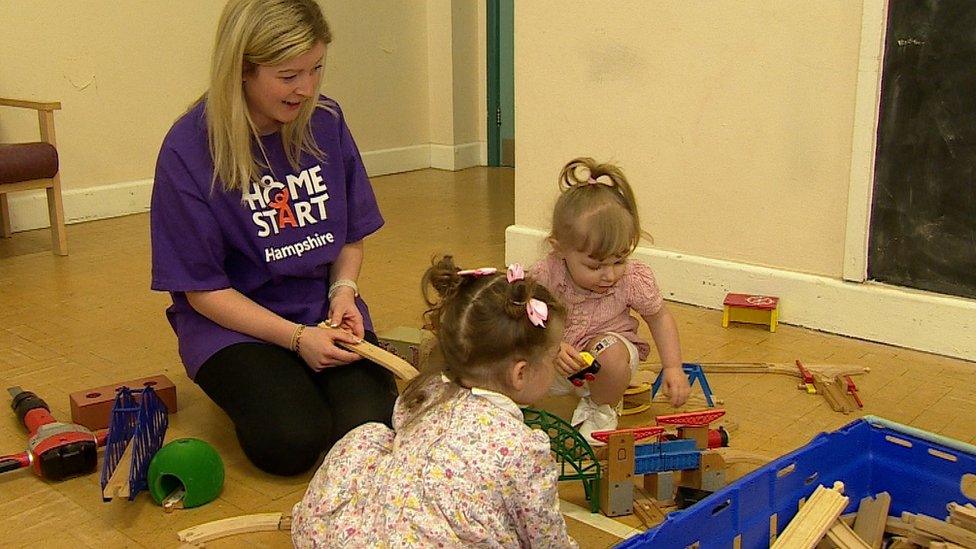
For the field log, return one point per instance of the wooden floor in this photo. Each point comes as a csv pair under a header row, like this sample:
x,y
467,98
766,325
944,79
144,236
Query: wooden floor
x,y
88,319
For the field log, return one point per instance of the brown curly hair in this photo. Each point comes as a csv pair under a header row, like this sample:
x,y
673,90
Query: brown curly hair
x,y
598,219
481,325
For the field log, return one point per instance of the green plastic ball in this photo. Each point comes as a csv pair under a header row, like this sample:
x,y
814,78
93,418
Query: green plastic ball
x,y
190,463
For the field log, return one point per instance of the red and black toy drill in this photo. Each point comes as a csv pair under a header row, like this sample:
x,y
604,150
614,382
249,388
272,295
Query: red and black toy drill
x,y
55,450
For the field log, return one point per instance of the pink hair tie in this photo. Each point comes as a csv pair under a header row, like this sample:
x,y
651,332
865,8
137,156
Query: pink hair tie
x,y
602,180
515,272
538,312
480,271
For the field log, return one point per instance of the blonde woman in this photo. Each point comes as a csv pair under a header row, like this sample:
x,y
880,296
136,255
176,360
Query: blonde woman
x,y
259,211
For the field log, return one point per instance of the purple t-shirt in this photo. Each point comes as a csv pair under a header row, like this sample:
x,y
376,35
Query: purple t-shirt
x,y
275,246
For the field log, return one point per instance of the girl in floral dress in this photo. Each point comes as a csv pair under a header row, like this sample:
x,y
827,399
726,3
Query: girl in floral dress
x,y
459,467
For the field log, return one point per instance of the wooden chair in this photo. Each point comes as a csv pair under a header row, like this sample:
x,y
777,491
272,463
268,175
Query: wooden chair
x,y
25,166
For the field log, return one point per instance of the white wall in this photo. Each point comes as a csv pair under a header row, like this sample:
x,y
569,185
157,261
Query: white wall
x,y
124,71
734,121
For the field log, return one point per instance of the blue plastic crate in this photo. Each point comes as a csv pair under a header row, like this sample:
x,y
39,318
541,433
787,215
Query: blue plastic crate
x,y
922,472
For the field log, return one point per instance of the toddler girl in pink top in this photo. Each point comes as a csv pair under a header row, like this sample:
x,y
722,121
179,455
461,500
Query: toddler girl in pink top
x,y
595,229
459,468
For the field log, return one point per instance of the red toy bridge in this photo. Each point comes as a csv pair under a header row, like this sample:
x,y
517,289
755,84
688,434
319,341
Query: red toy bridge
x,y
640,433
691,419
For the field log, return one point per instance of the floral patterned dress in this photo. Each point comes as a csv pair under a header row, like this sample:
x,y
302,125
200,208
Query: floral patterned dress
x,y
467,473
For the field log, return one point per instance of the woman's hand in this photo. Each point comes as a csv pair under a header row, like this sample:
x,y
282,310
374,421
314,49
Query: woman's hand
x,y
318,347
343,312
568,361
676,385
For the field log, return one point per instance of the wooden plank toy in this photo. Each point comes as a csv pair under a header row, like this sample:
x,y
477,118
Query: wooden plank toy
x,y
751,309
209,531
93,407
813,520
399,367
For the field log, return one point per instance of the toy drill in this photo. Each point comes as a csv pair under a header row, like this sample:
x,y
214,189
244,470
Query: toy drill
x,y
55,450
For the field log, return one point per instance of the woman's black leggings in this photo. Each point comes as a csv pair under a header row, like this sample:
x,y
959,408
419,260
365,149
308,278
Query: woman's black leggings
x,y
285,413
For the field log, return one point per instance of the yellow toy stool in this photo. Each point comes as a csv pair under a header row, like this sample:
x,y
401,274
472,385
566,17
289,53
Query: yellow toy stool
x,y
752,309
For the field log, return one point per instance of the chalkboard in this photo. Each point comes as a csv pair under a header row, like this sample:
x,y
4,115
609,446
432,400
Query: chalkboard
x,y
923,212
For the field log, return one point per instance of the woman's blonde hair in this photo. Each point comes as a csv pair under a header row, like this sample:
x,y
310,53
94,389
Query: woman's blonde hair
x,y
258,32
481,324
596,213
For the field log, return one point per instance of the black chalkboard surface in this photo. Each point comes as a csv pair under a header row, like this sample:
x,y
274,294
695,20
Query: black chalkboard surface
x,y
923,213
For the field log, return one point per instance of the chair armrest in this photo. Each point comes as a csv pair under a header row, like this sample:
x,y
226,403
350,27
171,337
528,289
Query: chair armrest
x,y
36,105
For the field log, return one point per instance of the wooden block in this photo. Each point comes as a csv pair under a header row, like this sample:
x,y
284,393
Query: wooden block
x,y
841,535
872,515
963,516
617,485
946,531
698,434
814,519
92,408
710,474
616,498
620,457
660,486
904,527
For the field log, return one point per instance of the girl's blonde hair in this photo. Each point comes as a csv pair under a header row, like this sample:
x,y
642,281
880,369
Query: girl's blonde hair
x,y
596,213
249,33
481,326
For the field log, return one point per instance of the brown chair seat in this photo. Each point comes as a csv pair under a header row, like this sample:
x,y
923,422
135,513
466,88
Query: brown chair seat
x,y
27,161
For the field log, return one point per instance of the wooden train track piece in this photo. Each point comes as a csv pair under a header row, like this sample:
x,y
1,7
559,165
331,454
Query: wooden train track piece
x,y
646,509
780,368
942,529
963,516
841,535
872,515
260,522
814,519
399,367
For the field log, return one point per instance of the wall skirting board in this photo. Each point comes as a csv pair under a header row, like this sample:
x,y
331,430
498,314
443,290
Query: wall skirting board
x,y
28,209
897,316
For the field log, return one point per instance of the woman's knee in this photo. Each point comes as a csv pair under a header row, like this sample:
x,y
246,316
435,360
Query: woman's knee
x,y
285,448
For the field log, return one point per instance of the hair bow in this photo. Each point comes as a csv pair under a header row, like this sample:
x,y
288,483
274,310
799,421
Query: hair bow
x,y
581,176
538,312
602,180
515,272
480,271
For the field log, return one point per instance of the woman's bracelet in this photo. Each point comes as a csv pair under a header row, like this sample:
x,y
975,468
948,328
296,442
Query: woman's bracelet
x,y
296,338
340,283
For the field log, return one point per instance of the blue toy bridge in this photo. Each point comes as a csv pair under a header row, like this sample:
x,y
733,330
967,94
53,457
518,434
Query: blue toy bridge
x,y
674,455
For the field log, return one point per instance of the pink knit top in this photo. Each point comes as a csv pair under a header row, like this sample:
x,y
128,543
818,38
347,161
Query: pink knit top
x,y
591,313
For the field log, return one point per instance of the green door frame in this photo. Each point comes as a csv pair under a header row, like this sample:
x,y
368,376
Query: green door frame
x,y
494,85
